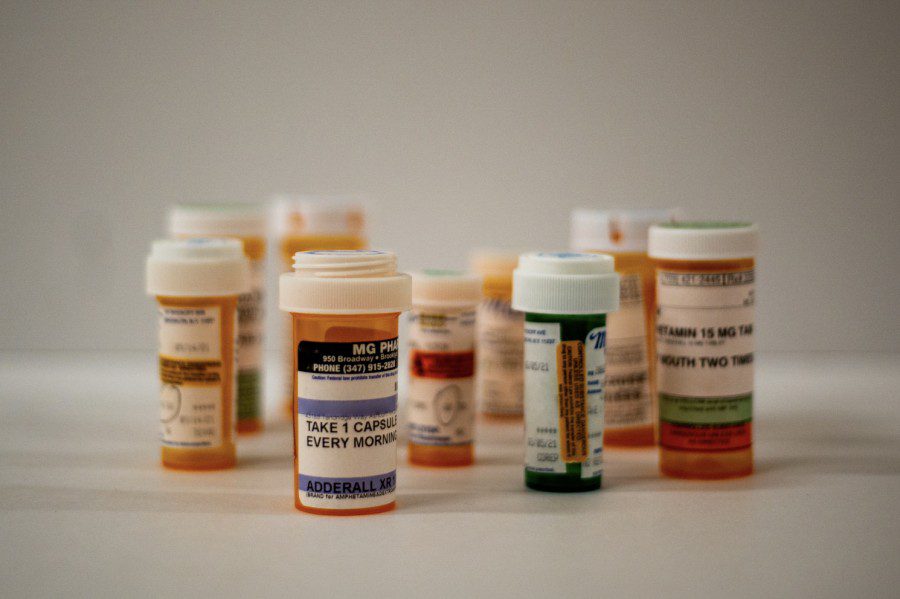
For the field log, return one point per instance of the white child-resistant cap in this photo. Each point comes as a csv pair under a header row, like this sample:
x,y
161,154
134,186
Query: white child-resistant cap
x,y
318,215
239,220
445,289
197,268
493,263
614,230
345,282
703,240
565,283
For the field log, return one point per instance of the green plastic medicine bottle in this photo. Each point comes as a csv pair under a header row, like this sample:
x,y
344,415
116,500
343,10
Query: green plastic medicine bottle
x,y
565,297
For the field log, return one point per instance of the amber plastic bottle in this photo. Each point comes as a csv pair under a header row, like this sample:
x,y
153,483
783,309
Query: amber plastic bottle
x,y
630,370
345,308
197,283
441,406
246,223
499,387
705,275
312,222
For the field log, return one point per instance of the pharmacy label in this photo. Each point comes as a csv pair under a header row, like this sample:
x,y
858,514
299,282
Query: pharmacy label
x,y
250,339
191,376
499,371
563,400
347,423
704,335
441,385
628,402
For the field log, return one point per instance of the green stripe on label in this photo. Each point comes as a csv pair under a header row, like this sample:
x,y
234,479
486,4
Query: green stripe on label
x,y
678,409
248,404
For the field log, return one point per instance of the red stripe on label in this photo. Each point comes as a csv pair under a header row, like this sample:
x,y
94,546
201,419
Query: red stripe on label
x,y
707,438
442,365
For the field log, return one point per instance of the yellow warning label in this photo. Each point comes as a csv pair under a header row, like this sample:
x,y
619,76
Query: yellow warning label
x,y
572,396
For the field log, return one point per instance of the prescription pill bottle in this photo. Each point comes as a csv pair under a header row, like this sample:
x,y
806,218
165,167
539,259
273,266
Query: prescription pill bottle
x,y
441,407
313,222
565,297
197,283
247,223
630,371
704,344
344,308
498,372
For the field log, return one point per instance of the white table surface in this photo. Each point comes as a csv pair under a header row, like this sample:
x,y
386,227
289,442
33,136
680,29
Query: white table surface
x,y
86,509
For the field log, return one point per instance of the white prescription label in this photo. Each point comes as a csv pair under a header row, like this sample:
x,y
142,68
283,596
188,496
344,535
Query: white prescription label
x,y
499,373
704,332
704,337
347,423
441,387
191,376
563,400
628,401
250,319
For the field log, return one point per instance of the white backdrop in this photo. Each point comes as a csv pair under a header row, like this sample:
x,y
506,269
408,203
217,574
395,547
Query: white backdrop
x,y
468,124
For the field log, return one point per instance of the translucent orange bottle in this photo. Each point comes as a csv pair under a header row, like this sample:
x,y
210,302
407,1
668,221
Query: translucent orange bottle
x,y
630,410
312,222
247,223
500,334
705,277
344,308
196,283
441,410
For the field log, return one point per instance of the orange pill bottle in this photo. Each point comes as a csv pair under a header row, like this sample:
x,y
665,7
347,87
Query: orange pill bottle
x,y
441,407
344,308
246,223
197,283
630,410
705,277
313,222
499,387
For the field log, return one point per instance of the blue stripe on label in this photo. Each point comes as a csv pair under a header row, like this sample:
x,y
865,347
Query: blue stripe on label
x,y
346,408
360,485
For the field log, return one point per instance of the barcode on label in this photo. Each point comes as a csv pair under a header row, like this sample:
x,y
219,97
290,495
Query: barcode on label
x,y
572,399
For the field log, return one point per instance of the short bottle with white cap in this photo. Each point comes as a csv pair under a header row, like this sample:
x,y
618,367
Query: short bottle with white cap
x,y
441,407
630,409
565,297
197,283
247,223
498,374
344,308
313,222
705,276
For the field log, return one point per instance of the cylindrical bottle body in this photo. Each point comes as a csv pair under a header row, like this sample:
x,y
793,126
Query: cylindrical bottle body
x,y
197,370
247,224
345,412
441,410
290,244
251,321
564,369
704,347
630,412
498,385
